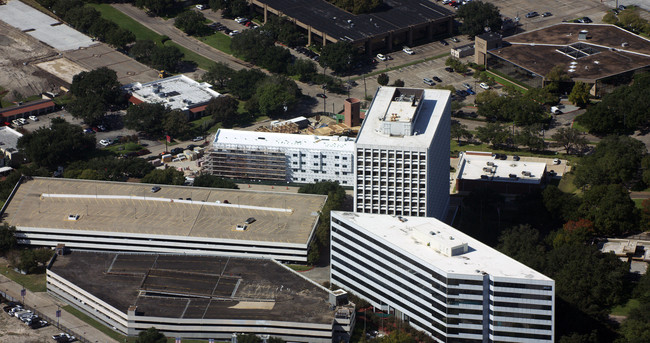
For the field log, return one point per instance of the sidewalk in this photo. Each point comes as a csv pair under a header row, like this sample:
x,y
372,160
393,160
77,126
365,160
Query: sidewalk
x,y
47,305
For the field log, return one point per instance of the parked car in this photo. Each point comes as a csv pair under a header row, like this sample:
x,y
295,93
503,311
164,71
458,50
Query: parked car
x,y
622,7
250,220
547,14
233,32
515,158
484,85
443,42
33,118
556,161
531,14
408,50
467,86
155,189
437,79
200,7
470,91
382,57
428,81
321,95
104,142
198,138
585,20
176,151
241,20
454,39
449,69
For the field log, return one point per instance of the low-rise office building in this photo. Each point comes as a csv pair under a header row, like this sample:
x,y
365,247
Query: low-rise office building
x,y
402,153
281,157
440,280
9,144
200,297
120,216
481,170
175,92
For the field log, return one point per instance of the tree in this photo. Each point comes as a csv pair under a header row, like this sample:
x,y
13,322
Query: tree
x,y
303,68
561,206
523,243
57,145
398,83
89,108
477,16
27,261
109,168
223,109
580,94
159,7
555,77
337,56
43,255
166,58
529,137
616,159
119,37
493,133
94,91
382,79
572,140
175,123
151,335
459,131
579,231
146,117
7,238
218,74
276,95
243,83
213,181
192,23
169,176
142,51
611,210
542,96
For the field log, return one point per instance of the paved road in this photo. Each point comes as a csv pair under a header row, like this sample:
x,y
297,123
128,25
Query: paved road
x,y
167,28
48,305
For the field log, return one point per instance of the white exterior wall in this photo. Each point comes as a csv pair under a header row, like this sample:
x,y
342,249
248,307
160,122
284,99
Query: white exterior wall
x,y
313,165
446,306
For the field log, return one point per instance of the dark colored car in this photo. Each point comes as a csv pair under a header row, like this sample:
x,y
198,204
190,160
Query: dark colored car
x,y
155,189
515,158
449,69
437,79
531,14
176,151
443,42
321,95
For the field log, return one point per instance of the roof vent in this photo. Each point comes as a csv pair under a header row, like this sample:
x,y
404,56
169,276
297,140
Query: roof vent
x,y
582,35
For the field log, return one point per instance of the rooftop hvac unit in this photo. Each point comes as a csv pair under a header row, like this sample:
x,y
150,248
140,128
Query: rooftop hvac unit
x,y
484,177
582,35
512,176
487,169
525,173
491,164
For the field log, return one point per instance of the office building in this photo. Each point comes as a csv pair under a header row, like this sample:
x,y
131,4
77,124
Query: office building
x,y
402,153
281,157
440,280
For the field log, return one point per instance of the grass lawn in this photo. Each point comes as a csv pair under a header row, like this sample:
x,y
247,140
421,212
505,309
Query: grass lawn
x,y
566,184
124,21
33,282
92,322
624,310
500,78
218,41
124,148
638,203
579,127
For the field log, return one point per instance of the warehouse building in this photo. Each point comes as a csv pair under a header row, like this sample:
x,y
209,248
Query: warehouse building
x,y
119,216
440,280
175,92
200,297
281,157
402,153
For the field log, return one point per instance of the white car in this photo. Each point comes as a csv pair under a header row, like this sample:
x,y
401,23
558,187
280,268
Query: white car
x,y
104,142
557,161
241,20
408,50
382,57
22,121
33,118
233,32
484,85
200,7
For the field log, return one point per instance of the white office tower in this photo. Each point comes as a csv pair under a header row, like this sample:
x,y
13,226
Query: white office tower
x,y
440,280
403,153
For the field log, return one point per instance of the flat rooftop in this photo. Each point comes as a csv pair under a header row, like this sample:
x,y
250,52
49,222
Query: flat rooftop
x,y
408,234
608,50
131,208
482,166
196,287
425,124
9,139
283,140
335,22
43,27
176,92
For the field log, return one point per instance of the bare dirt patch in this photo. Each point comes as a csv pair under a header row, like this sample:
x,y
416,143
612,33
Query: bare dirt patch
x,y
62,68
18,74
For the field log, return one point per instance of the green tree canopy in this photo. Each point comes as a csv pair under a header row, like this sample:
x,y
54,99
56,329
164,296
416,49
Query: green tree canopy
x,y
616,159
276,95
169,176
382,79
572,140
108,168
57,145
7,237
477,16
146,117
151,335
94,91
159,7
580,94
218,75
213,181
223,109
493,133
192,22
337,56
611,210
243,83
